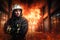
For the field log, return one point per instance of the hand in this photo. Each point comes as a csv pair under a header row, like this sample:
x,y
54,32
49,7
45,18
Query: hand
x,y
9,29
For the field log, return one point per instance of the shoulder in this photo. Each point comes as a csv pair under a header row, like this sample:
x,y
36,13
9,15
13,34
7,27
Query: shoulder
x,y
24,19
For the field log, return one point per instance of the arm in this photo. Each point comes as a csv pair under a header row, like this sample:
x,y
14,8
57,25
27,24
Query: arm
x,y
24,25
7,27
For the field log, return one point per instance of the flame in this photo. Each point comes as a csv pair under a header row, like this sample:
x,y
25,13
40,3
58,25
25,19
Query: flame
x,y
32,14
33,17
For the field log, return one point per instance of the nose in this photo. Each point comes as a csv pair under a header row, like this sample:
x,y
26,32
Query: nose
x,y
18,11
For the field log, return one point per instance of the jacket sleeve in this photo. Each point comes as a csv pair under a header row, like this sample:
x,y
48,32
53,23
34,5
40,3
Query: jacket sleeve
x,y
24,25
6,25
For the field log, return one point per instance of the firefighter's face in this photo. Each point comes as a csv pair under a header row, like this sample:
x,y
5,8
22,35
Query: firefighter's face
x,y
17,13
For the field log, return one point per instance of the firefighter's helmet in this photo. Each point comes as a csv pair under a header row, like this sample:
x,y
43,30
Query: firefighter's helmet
x,y
16,6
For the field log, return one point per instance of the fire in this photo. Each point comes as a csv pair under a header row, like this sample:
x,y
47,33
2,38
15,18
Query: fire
x,y
33,18
31,13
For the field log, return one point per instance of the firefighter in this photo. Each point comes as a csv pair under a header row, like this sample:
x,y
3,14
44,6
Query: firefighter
x,y
17,25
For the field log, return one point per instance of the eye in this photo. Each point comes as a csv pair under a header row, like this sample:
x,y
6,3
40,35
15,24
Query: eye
x,y
15,11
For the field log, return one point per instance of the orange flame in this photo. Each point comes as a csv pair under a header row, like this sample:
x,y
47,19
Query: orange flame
x,y
32,14
33,17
